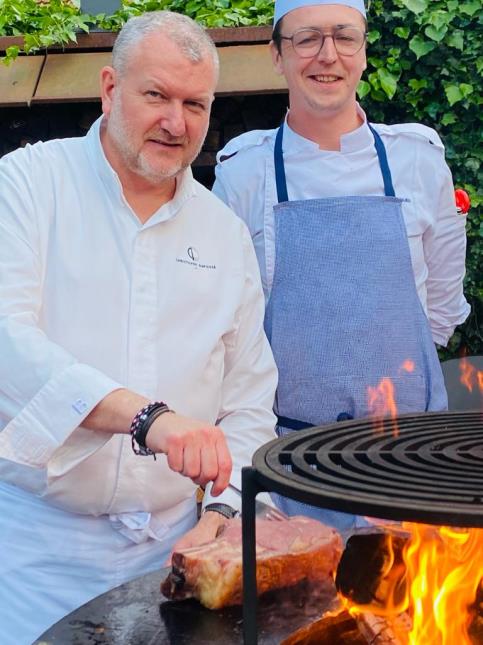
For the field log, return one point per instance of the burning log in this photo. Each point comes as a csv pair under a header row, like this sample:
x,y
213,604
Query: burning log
x,y
332,629
372,568
380,630
434,573
364,628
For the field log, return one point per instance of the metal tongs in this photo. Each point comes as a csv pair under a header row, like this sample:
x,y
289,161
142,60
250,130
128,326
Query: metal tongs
x,y
262,510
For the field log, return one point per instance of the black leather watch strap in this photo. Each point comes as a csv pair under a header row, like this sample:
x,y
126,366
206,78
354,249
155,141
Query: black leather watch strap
x,y
223,509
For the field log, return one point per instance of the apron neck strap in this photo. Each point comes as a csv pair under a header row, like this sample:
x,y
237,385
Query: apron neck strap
x,y
281,180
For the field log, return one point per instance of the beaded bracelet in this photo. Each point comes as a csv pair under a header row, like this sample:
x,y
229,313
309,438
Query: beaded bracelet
x,y
141,424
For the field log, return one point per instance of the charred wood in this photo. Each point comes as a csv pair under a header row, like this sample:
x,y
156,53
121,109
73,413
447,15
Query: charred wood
x,y
338,629
344,629
371,567
381,630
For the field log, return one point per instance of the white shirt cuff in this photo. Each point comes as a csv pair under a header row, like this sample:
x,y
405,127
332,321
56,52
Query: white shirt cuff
x,y
45,423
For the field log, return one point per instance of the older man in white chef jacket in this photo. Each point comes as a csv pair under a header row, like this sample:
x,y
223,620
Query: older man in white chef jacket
x,y
360,247
134,365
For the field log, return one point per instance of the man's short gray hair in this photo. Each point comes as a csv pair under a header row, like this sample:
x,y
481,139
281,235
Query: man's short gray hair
x,y
190,37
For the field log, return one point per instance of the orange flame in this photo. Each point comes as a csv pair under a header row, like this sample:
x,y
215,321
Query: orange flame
x,y
470,376
381,399
408,365
442,568
438,586
444,571
382,403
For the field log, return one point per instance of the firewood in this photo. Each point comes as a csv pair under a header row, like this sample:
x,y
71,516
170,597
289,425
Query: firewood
x,y
331,629
381,630
371,564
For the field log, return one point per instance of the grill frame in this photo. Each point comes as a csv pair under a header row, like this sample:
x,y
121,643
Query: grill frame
x,y
267,474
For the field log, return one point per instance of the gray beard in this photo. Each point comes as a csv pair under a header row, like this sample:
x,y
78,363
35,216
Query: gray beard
x,y
136,162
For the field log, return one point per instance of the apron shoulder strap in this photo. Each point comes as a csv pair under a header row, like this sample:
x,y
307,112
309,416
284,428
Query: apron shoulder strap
x,y
381,153
282,194
280,179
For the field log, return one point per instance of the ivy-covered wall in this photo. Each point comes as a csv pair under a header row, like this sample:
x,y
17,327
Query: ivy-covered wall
x,y
424,64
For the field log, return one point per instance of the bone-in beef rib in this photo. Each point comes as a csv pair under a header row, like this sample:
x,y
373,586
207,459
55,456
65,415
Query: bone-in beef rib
x,y
288,551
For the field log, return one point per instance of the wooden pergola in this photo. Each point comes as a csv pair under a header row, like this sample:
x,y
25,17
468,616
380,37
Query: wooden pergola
x,y
72,74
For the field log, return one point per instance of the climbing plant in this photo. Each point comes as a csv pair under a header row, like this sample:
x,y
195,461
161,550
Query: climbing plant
x,y
424,64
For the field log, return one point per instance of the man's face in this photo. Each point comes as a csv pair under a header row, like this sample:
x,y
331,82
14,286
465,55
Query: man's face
x,y
327,82
158,109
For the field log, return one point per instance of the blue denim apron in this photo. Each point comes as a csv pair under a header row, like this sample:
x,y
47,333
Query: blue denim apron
x,y
343,313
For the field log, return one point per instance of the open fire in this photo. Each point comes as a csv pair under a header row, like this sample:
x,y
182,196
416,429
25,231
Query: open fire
x,y
412,582
381,399
436,589
471,378
442,571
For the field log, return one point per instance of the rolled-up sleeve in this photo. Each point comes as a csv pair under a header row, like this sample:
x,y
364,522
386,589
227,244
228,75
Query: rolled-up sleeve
x,y
45,392
444,244
34,434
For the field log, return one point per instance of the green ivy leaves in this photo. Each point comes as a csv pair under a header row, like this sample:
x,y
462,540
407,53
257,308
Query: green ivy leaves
x,y
210,13
438,76
420,46
44,23
457,93
416,6
424,64
388,81
470,8
456,39
41,25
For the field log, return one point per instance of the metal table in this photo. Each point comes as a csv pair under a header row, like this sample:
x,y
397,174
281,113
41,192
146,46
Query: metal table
x,y
136,613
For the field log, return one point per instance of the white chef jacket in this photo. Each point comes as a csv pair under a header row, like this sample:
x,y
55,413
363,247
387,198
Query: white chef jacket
x,y
245,180
92,300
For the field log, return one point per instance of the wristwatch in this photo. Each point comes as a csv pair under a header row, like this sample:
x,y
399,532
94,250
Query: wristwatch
x,y
222,509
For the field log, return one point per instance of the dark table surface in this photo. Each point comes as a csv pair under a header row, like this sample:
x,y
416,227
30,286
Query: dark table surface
x,y
136,613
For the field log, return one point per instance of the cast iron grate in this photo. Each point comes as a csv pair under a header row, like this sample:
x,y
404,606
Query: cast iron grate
x,y
420,467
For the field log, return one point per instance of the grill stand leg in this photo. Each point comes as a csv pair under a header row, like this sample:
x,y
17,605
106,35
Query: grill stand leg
x,y
249,493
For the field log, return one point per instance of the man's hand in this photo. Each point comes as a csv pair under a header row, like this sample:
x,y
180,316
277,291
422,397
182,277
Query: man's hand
x,y
194,449
205,531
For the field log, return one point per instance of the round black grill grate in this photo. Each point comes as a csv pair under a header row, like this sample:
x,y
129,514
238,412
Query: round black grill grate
x,y
422,468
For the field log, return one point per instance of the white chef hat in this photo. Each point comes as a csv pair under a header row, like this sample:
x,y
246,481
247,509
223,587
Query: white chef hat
x,y
284,6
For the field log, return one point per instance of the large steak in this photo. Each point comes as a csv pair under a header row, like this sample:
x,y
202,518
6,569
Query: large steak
x,y
287,552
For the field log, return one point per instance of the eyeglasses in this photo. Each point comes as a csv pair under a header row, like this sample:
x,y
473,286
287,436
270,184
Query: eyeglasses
x,y
308,42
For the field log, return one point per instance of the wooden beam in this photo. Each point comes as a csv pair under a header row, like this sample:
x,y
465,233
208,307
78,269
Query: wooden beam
x,y
244,69
104,40
19,80
71,77
247,69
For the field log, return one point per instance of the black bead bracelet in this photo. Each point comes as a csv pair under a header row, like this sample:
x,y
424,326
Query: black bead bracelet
x,y
140,426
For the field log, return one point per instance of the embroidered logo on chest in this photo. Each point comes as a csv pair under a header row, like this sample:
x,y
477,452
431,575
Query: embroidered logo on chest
x,y
192,258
